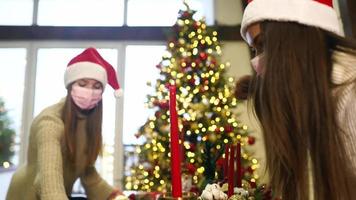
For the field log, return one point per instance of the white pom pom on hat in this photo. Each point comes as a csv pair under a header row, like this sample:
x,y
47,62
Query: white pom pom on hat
x,y
90,64
318,13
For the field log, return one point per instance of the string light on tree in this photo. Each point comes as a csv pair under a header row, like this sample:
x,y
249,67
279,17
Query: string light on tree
x,y
205,104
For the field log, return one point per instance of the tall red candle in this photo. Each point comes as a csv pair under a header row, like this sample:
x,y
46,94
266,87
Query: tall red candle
x,y
230,177
238,165
226,161
175,149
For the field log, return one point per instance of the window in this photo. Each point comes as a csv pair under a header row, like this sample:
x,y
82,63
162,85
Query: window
x,y
12,78
81,13
16,12
140,68
164,12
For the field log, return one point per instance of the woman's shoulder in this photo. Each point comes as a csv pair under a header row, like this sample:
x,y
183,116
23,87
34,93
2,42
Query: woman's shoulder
x,y
50,115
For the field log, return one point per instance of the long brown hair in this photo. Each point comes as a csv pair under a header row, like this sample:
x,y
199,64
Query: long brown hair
x,y
294,104
93,129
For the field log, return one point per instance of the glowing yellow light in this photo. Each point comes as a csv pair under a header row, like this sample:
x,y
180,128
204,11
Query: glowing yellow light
x,y
138,150
200,37
199,31
145,173
215,33
190,154
214,39
146,181
203,130
216,102
218,147
148,146
231,79
128,185
161,182
206,87
218,109
221,129
210,51
203,26
193,64
244,127
171,44
195,51
6,164
253,180
226,141
192,160
212,79
201,170
157,175
222,66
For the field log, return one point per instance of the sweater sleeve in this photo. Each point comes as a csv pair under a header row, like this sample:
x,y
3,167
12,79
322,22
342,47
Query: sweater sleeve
x,y
95,186
49,179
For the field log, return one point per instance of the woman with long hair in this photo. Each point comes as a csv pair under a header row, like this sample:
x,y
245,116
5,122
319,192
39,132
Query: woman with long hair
x,y
303,93
66,139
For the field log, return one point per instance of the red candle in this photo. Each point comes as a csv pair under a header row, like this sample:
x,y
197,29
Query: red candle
x,y
175,149
238,165
226,161
230,177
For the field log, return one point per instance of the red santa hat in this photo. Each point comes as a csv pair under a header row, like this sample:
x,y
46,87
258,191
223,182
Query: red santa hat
x,y
90,64
318,13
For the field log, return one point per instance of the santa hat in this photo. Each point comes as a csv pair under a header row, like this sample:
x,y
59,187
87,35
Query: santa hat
x,y
318,13
90,64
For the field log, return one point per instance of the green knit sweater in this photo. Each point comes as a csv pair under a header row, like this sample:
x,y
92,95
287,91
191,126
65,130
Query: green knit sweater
x,y
48,174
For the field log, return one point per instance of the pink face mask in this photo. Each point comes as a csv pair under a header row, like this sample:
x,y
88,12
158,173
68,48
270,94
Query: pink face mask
x,y
86,98
257,63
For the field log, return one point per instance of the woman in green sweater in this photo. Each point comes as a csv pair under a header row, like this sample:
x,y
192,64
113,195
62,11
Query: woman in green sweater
x,y
65,138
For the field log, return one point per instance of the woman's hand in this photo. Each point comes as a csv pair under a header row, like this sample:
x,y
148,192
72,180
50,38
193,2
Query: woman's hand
x,y
117,195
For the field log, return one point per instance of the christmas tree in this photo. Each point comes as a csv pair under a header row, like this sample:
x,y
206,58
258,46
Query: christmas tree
x,y
205,103
7,135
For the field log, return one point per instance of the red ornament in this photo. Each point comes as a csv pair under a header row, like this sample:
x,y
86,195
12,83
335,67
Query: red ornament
x,y
192,147
137,135
220,162
217,130
185,14
191,168
192,81
203,55
228,128
163,104
251,140
158,114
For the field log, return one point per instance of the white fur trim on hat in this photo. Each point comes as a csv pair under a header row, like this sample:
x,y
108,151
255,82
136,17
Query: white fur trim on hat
x,y
85,69
307,12
118,93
